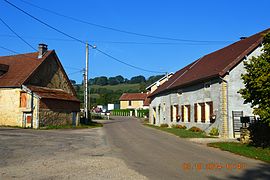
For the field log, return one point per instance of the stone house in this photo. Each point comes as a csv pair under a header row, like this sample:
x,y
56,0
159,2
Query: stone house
x,y
35,91
205,93
134,101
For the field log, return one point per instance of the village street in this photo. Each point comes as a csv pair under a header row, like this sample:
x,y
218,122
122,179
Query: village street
x,y
122,149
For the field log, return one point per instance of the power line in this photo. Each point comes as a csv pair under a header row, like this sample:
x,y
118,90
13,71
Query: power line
x,y
119,42
17,34
76,72
42,22
120,30
76,39
130,65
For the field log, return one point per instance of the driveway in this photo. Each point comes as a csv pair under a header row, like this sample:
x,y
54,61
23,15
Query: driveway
x,y
159,155
59,154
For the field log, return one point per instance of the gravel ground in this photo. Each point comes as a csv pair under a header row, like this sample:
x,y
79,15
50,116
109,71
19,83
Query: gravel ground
x,y
59,154
210,140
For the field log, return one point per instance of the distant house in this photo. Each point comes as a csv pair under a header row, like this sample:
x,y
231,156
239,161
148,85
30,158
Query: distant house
x,y
35,91
205,93
151,88
134,101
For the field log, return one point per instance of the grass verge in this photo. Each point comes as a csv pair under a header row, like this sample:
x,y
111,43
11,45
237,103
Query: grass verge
x,y
262,154
181,132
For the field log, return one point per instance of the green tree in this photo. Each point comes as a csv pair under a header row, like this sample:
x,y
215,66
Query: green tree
x,y
137,79
102,80
113,81
257,82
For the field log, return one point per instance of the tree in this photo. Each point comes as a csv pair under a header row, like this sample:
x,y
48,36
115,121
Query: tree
x,y
113,81
120,79
137,79
153,79
102,80
257,82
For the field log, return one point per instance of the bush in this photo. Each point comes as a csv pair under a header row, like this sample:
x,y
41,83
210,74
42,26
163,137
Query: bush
x,y
214,131
178,126
259,134
164,125
195,129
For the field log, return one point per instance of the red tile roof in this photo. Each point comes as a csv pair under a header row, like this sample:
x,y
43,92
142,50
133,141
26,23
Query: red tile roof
x,y
48,93
21,66
147,101
215,64
133,96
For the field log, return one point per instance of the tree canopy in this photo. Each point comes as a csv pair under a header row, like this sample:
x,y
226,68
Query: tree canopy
x,y
257,82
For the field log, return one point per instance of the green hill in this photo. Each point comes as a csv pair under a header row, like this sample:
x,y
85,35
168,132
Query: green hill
x,y
102,95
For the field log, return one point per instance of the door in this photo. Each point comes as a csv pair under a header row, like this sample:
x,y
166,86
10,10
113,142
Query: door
x,y
74,118
27,120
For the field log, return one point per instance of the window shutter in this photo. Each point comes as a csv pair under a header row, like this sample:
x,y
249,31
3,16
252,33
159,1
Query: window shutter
x,y
23,99
188,106
171,113
211,111
195,113
203,112
177,110
182,113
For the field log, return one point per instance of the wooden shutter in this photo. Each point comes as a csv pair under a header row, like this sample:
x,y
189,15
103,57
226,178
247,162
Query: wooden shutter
x,y
23,99
182,113
203,112
177,110
211,111
171,113
188,106
195,113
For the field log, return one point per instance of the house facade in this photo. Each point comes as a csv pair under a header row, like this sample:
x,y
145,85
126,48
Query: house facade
x,y
134,101
35,91
205,94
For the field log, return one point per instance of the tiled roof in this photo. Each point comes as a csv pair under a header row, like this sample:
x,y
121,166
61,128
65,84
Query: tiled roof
x,y
215,64
133,96
21,66
48,93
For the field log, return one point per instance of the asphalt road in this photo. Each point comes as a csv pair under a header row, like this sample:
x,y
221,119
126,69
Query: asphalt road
x,y
77,154
159,155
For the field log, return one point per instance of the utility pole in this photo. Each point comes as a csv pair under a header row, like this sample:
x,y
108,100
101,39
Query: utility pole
x,y
86,82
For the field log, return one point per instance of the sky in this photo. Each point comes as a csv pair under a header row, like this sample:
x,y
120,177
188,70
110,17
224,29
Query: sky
x,y
183,31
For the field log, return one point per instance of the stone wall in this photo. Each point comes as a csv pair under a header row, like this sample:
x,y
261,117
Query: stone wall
x,y
245,136
10,114
48,117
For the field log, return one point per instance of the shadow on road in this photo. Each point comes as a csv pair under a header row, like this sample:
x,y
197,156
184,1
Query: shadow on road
x,y
262,172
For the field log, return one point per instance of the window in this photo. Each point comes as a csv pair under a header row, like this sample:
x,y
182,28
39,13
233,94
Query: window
x,y
211,111
174,113
202,105
129,103
203,112
185,113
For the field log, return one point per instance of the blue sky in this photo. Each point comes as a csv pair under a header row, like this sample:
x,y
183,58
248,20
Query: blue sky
x,y
208,20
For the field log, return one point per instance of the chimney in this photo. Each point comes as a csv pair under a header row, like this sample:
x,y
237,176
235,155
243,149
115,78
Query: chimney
x,y
42,49
242,38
